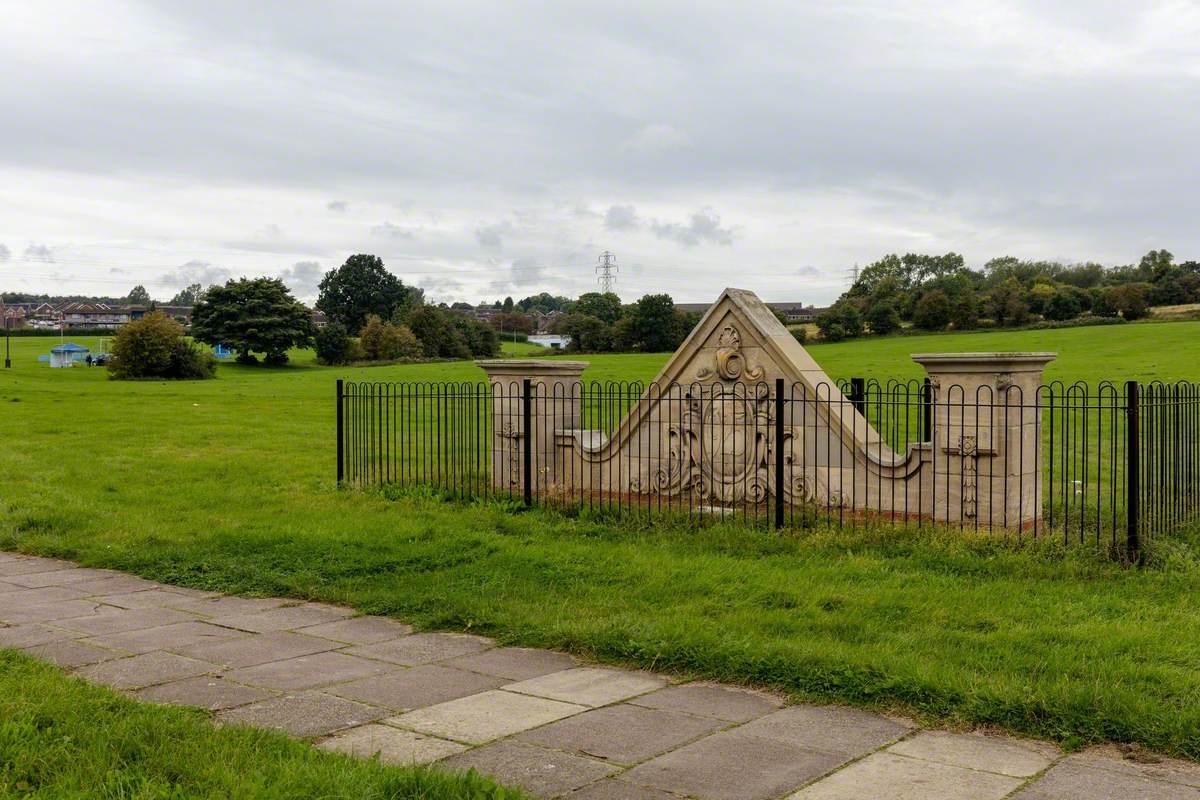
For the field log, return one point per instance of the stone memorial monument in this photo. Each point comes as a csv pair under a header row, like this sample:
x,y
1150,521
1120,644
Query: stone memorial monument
x,y
708,431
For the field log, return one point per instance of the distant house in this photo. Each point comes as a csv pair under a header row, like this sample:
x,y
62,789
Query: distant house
x,y
95,315
319,319
793,312
67,355
13,317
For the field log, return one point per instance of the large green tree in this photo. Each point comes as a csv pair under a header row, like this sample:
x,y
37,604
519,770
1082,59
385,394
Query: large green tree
x,y
652,326
361,287
188,296
604,306
138,296
253,315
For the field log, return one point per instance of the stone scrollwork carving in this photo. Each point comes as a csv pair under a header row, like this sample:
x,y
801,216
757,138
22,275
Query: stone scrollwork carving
x,y
722,451
730,364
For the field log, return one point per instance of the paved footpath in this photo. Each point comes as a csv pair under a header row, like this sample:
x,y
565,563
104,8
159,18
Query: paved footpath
x,y
531,718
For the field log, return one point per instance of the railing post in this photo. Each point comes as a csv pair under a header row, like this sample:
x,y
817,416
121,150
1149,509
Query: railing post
x,y
1133,469
926,410
779,477
527,439
341,460
858,395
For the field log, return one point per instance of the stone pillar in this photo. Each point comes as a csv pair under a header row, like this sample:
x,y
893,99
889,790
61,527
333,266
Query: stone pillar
x,y
556,388
986,443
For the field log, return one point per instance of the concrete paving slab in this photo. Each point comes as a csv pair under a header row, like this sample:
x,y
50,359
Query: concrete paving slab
x,y
18,611
58,577
999,754
423,648
885,776
485,716
416,687
32,634
359,630
1140,763
228,606
728,767
147,669
542,773
622,734
617,789
1076,780
44,594
392,745
179,634
729,703
209,692
831,729
309,671
27,565
106,619
590,686
150,598
70,654
284,618
119,584
246,651
305,714
515,663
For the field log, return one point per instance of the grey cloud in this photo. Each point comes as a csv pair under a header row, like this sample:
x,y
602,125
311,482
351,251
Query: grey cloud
x,y
201,272
5,253
492,236
39,252
337,205
303,278
621,218
116,271
808,272
704,227
390,230
527,272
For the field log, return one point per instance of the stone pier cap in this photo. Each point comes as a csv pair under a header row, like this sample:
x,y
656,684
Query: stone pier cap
x,y
984,362
539,369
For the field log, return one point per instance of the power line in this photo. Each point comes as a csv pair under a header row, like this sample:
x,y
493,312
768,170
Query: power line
x,y
607,270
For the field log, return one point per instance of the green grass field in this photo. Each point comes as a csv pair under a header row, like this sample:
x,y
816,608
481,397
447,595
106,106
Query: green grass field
x,y
60,737
229,484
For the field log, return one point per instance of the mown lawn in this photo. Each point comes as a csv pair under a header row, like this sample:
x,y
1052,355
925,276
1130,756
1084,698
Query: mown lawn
x,y
60,737
228,484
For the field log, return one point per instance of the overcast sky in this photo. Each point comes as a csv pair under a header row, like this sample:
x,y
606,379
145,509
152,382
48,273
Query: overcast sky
x,y
493,149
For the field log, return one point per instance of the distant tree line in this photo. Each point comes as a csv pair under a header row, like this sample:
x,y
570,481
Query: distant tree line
x,y
935,293
372,316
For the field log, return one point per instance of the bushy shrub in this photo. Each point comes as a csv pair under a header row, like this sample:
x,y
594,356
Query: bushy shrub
x,y
933,311
799,333
841,321
333,344
1130,300
439,337
388,341
155,347
883,318
964,311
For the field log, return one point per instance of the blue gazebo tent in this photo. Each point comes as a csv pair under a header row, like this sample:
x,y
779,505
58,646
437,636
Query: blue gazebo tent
x,y
66,355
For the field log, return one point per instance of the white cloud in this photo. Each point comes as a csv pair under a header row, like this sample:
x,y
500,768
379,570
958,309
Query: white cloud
x,y
621,218
657,138
303,278
389,230
39,252
491,236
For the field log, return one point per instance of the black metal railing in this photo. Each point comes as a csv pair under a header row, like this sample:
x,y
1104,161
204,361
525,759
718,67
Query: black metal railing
x,y
1105,463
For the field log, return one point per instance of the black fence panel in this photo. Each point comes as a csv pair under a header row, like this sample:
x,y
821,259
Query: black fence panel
x,y
1106,463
